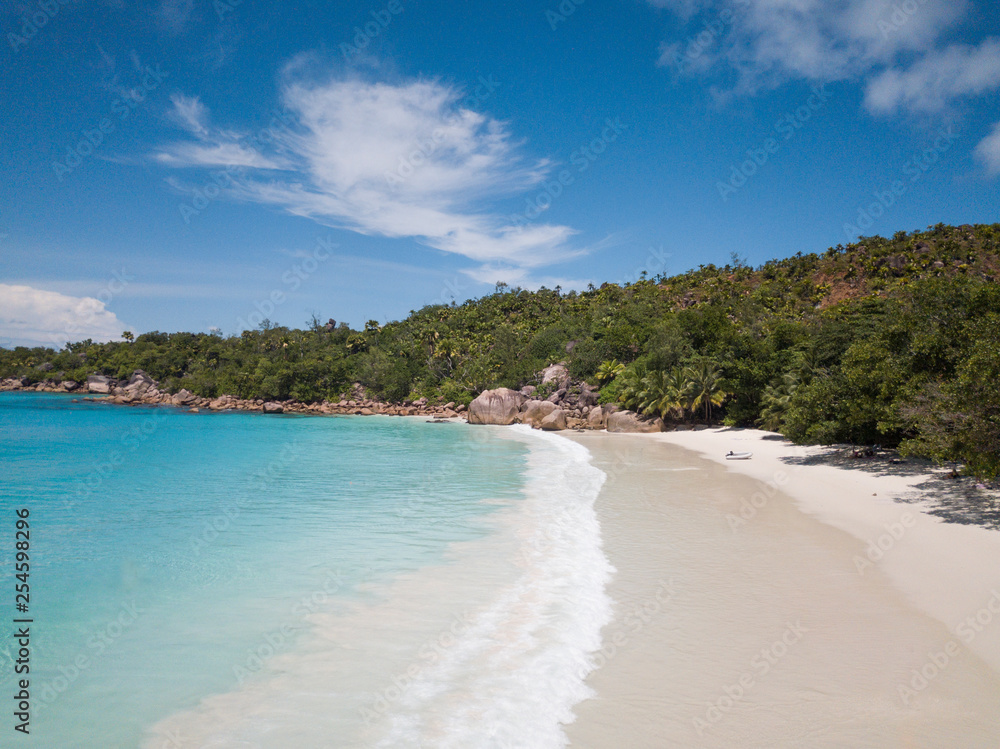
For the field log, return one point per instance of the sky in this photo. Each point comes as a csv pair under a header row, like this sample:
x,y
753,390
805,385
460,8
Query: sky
x,y
203,165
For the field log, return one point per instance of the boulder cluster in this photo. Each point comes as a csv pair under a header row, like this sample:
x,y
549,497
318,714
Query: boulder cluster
x,y
46,386
506,406
140,388
570,406
557,403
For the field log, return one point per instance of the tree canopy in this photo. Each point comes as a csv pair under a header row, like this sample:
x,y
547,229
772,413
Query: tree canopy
x,y
893,341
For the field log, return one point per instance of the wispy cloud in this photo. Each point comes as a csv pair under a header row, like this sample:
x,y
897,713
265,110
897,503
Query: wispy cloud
x,y
190,114
988,151
936,80
30,316
892,45
213,147
215,154
396,160
823,40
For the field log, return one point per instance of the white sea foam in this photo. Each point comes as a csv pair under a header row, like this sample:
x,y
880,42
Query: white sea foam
x,y
489,650
516,671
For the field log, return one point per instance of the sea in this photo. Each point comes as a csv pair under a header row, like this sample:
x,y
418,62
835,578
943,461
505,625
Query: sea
x,y
245,580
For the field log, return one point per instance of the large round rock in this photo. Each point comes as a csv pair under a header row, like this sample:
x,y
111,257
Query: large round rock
x,y
500,406
627,421
535,411
554,422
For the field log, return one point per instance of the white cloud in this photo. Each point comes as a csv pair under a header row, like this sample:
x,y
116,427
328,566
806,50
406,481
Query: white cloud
x,y
215,154
30,316
213,147
190,113
930,84
766,43
988,151
400,161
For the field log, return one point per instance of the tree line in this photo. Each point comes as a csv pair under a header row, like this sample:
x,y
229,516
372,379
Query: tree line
x,y
888,340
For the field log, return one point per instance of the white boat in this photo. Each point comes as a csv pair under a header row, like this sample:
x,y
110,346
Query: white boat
x,y
738,456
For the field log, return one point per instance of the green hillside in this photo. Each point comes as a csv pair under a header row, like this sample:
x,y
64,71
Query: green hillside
x,y
892,341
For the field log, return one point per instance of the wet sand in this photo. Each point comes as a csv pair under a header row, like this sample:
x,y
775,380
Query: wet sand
x,y
804,612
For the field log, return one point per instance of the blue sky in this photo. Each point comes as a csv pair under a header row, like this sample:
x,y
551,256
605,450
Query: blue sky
x,y
190,165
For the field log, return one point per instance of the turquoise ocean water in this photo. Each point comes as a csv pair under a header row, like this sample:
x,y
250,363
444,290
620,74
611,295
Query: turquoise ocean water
x,y
245,580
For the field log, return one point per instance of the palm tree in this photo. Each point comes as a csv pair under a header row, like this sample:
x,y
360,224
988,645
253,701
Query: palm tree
x,y
659,393
706,386
676,393
681,391
609,370
776,401
654,393
777,398
632,387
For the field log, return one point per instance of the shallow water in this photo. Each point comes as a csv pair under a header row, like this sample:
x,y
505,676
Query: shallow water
x,y
240,580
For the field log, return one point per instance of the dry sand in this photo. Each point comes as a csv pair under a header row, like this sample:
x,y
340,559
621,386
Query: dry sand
x,y
789,601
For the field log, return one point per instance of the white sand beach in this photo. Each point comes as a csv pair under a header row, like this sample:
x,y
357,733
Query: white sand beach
x,y
788,601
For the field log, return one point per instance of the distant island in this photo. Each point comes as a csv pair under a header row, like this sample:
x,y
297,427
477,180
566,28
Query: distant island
x,y
884,341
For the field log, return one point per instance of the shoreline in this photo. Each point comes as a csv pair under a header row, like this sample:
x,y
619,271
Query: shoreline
x,y
492,661
152,396
948,569
888,615
899,648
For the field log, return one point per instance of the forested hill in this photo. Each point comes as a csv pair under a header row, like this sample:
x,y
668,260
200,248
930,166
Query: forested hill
x,y
892,341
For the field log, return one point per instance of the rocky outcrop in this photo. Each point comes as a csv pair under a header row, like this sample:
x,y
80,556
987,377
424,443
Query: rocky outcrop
x,y
556,373
555,421
138,386
273,408
100,384
500,406
587,396
569,406
627,421
182,398
535,411
138,376
558,396
143,389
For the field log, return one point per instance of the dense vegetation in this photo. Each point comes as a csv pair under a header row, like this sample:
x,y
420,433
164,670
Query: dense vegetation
x,y
892,341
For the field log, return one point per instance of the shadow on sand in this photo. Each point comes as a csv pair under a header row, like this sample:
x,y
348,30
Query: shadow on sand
x,y
954,499
943,493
